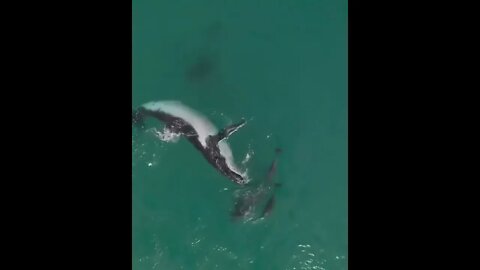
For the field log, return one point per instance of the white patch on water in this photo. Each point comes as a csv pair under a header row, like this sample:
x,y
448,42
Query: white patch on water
x,y
248,156
223,190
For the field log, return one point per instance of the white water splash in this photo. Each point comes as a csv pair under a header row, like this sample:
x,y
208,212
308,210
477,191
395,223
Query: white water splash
x,y
248,156
167,135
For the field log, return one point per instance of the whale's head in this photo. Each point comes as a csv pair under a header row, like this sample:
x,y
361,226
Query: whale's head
x,y
235,177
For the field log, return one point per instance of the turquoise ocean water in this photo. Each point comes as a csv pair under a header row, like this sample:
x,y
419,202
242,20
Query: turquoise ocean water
x,y
282,65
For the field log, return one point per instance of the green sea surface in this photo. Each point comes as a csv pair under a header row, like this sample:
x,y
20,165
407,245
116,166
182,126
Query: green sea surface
x,y
281,65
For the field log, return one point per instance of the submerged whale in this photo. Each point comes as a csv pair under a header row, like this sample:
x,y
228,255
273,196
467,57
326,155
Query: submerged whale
x,y
199,131
246,203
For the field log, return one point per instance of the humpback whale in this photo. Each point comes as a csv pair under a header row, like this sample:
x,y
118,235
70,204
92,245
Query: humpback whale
x,y
179,118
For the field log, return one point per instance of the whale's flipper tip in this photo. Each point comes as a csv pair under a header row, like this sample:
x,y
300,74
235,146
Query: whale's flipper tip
x,y
226,132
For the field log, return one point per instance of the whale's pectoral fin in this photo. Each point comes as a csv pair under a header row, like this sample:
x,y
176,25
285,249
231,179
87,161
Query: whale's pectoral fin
x,y
226,132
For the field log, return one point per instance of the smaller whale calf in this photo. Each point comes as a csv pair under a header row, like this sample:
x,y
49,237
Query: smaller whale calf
x,y
245,206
